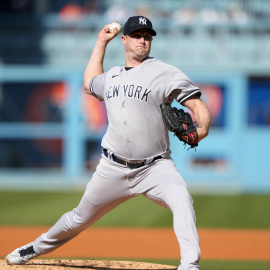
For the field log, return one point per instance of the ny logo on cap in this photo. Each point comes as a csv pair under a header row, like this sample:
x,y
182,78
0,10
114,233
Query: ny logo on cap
x,y
142,20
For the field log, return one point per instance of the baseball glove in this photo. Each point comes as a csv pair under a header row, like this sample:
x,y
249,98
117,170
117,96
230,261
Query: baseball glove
x,y
180,123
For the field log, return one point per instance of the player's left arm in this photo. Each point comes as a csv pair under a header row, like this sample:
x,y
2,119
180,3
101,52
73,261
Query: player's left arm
x,y
202,115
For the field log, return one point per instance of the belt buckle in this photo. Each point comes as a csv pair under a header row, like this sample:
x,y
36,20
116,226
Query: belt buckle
x,y
133,165
130,165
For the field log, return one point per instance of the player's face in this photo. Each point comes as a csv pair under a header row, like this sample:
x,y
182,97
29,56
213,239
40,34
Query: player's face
x,y
138,43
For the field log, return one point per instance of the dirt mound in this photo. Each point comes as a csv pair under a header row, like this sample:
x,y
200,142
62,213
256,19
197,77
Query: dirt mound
x,y
86,264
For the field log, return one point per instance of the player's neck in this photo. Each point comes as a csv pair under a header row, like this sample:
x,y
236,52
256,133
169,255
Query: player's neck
x,y
133,62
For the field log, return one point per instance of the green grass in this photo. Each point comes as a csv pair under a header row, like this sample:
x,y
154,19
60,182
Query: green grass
x,y
45,208
221,265
242,211
35,208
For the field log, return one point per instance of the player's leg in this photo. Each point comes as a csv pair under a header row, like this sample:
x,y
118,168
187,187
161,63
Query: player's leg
x,y
163,184
107,189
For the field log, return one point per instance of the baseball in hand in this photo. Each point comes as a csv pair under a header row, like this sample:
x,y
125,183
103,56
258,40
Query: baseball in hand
x,y
117,26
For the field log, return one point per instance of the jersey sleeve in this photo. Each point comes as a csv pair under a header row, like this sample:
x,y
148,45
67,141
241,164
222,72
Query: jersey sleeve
x,y
174,79
97,86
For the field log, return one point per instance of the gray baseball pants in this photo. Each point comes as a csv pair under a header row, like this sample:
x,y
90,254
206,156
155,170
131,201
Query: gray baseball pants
x,y
113,184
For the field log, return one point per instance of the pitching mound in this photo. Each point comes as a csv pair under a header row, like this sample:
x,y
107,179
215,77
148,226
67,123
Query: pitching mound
x,y
86,264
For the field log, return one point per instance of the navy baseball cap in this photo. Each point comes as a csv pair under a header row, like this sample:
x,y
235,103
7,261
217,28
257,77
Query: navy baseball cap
x,y
138,22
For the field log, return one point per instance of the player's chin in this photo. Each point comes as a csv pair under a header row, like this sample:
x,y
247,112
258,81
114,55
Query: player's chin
x,y
142,52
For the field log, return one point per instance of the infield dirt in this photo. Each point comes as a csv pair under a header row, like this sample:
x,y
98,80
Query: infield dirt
x,y
144,243
85,264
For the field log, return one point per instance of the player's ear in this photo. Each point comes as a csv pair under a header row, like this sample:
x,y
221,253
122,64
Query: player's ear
x,y
124,38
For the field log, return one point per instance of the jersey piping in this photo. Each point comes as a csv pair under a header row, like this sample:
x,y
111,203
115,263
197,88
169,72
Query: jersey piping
x,y
190,95
91,85
91,88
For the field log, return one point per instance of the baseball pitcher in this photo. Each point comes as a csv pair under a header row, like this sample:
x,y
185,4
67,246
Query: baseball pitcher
x,y
136,149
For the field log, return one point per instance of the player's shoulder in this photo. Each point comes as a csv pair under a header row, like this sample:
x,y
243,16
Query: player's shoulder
x,y
157,65
165,66
114,71
153,61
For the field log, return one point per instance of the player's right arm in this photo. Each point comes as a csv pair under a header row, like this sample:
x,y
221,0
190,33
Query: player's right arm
x,y
95,64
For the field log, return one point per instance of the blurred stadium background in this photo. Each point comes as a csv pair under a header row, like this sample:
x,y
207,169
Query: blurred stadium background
x,y
50,130
48,124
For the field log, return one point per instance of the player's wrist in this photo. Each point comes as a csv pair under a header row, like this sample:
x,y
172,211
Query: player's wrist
x,y
102,42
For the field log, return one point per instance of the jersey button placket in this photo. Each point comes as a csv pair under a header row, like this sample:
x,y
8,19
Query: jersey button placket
x,y
127,141
125,122
125,125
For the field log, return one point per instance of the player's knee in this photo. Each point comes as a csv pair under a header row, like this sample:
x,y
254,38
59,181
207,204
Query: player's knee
x,y
80,221
178,190
73,221
179,196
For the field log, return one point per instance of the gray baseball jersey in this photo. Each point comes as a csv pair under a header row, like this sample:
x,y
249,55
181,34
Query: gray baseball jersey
x,y
136,130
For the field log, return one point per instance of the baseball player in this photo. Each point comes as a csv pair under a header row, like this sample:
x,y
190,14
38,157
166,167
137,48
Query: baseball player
x,y
136,154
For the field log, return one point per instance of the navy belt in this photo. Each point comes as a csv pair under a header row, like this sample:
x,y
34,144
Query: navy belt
x,y
131,165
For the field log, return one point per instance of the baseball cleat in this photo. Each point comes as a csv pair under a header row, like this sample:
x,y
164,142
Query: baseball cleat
x,y
21,255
